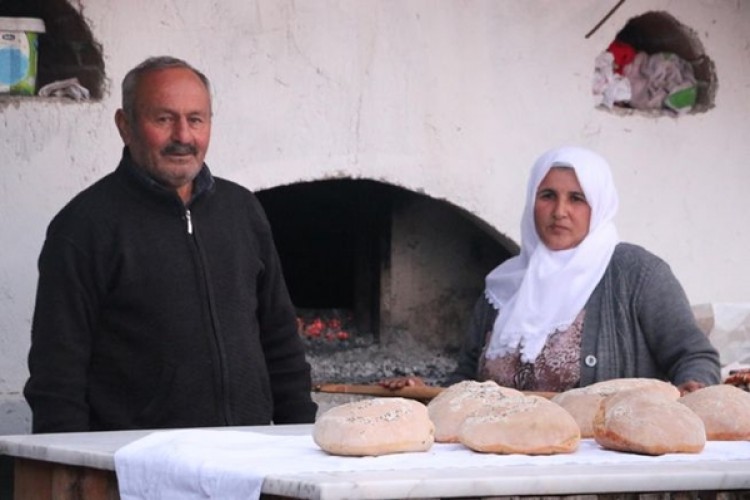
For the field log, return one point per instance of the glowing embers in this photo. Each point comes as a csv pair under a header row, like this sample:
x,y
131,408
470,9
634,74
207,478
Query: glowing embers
x,y
330,326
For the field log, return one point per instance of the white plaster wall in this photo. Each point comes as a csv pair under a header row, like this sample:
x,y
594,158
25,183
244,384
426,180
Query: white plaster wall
x,y
454,98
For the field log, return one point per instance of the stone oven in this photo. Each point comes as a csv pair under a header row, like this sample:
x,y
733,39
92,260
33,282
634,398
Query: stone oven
x,y
381,260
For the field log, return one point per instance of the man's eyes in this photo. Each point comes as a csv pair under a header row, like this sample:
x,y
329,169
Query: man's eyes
x,y
193,120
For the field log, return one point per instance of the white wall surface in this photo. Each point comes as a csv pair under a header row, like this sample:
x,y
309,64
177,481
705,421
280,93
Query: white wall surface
x,y
454,98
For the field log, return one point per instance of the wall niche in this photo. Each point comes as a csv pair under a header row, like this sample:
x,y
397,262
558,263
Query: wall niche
x,y
67,49
657,56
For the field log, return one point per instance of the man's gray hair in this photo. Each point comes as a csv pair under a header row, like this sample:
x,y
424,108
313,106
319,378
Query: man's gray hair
x,y
130,82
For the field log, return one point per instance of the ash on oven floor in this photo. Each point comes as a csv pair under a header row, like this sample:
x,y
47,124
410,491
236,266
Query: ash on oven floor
x,y
362,360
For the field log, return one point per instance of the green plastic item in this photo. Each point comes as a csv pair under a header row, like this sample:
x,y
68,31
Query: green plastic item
x,y
682,100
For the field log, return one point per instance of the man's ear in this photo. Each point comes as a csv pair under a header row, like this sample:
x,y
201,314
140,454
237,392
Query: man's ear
x,y
123,126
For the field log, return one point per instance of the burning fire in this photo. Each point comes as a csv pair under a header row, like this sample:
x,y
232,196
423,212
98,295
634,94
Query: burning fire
x,y
318,327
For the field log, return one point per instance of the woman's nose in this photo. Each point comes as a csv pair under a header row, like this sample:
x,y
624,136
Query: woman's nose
x,y
560,210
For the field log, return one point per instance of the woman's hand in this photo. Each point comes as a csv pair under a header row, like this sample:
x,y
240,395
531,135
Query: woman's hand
x,y
690,386
401,382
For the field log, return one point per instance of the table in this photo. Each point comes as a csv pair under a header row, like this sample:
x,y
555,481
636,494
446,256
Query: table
x,y
81,465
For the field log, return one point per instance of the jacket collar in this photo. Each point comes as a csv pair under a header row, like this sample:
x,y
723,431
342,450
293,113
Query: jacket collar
x,y
204,182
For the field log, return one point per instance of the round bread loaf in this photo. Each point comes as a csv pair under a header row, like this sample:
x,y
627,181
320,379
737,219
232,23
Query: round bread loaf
x,y
583,403
607,387
529,425
373,427
648,423
724,409
448,409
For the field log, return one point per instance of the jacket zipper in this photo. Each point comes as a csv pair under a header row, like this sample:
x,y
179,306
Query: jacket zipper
x,y
189,220
221,358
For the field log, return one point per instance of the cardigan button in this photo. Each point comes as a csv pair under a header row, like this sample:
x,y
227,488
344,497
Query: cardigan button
x,y
590,360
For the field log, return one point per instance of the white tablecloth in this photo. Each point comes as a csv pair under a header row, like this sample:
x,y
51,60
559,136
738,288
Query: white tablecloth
x,y
231,465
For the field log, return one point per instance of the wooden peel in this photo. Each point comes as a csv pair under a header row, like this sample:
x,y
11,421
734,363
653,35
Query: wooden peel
x,y
411,392
425,392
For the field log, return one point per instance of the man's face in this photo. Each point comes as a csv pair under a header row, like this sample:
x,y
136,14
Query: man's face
x,y
172,127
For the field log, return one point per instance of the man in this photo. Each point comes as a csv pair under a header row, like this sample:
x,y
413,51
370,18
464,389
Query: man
x,y
161,301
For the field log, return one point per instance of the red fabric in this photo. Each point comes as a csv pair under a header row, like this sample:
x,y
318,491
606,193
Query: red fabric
x,y
624,55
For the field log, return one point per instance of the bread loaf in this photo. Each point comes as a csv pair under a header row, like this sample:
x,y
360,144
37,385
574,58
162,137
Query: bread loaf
x,y
583,403
448,409
649,423
724,409
529,425
373,427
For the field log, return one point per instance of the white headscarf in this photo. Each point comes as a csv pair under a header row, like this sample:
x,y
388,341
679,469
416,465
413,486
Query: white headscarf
x,y
541,290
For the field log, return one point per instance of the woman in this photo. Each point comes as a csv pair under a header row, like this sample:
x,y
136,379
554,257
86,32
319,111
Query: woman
x,y
577,306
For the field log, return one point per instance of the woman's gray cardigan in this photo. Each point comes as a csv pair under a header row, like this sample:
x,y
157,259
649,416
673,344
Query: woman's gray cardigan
x,y
638,323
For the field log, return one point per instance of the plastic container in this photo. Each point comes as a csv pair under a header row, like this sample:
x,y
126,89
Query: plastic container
x,y
18,54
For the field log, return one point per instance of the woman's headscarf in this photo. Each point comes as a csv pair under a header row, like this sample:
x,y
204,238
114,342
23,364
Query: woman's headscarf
x,y
541,291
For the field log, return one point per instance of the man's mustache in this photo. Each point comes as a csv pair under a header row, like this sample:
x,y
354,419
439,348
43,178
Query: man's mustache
x,y
177,148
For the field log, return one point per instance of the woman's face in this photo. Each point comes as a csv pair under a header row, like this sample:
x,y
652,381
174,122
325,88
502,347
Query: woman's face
x,y
561,212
